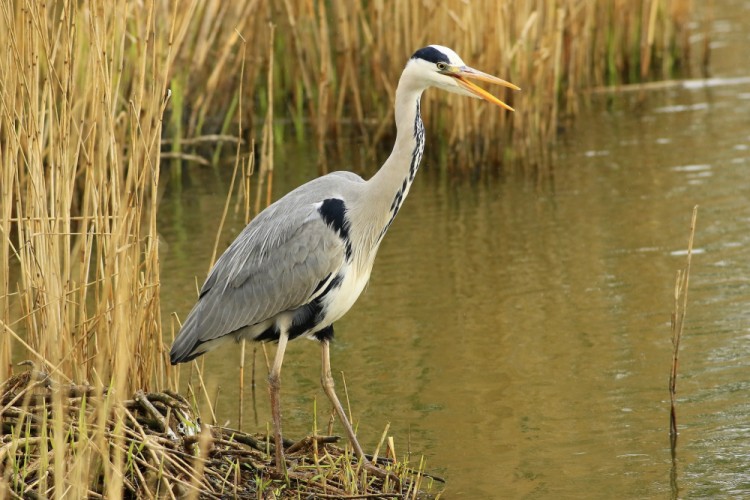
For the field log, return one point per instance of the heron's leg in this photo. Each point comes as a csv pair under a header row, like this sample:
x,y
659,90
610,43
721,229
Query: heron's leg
x,y
327,380
274,386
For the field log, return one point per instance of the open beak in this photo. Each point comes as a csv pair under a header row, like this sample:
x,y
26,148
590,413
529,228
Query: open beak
x,y
462,75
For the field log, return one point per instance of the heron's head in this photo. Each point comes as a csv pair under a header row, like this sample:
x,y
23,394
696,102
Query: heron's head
x,y
438,66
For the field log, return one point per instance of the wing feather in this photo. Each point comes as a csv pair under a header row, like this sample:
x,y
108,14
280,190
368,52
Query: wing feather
x,y
276,264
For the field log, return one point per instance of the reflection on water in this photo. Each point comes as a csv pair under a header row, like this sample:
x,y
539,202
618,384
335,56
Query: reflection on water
x,y
518,335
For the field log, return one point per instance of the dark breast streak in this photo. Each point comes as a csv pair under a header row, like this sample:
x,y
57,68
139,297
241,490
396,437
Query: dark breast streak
x,y
416,158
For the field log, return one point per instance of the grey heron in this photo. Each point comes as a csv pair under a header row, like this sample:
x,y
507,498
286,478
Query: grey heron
x,y
301,264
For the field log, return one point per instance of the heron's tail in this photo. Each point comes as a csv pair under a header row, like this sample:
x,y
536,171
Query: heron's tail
x,y
188,345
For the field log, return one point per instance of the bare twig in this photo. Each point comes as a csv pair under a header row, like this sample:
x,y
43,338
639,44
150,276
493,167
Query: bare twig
x,y
678,323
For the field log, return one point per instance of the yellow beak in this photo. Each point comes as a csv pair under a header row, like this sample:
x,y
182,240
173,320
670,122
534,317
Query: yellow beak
x,y
463,73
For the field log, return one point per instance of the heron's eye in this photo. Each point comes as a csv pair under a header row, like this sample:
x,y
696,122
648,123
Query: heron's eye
x,y
441,66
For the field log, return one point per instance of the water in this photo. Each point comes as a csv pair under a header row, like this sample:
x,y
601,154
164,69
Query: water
x,y
517,333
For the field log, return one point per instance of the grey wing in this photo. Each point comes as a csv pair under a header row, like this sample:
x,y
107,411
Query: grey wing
x,y
276,264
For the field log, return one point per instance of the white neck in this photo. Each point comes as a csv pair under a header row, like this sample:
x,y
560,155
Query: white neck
x,y
387,189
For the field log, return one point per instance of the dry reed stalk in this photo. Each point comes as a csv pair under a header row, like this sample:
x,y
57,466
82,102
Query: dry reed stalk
x,y
323,91
678,325
265,176
239,163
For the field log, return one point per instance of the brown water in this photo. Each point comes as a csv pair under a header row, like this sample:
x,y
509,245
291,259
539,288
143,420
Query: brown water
x,y
517,334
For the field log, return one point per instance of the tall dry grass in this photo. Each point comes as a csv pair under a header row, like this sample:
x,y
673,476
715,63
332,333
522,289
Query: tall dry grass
x,y
88,90
82,95
82,100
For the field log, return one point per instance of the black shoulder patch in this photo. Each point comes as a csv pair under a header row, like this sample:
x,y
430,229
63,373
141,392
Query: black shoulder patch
x,y
431,54
333,212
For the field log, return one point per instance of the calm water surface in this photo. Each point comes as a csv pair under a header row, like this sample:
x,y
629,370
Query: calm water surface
x,y
517,334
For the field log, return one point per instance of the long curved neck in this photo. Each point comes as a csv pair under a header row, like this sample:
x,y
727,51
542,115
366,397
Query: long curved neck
x,y
387,189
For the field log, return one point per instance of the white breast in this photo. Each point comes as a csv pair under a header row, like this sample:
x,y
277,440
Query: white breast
x,y
339,301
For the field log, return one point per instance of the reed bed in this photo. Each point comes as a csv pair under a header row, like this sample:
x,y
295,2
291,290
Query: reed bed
x,y
337,63
90,90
